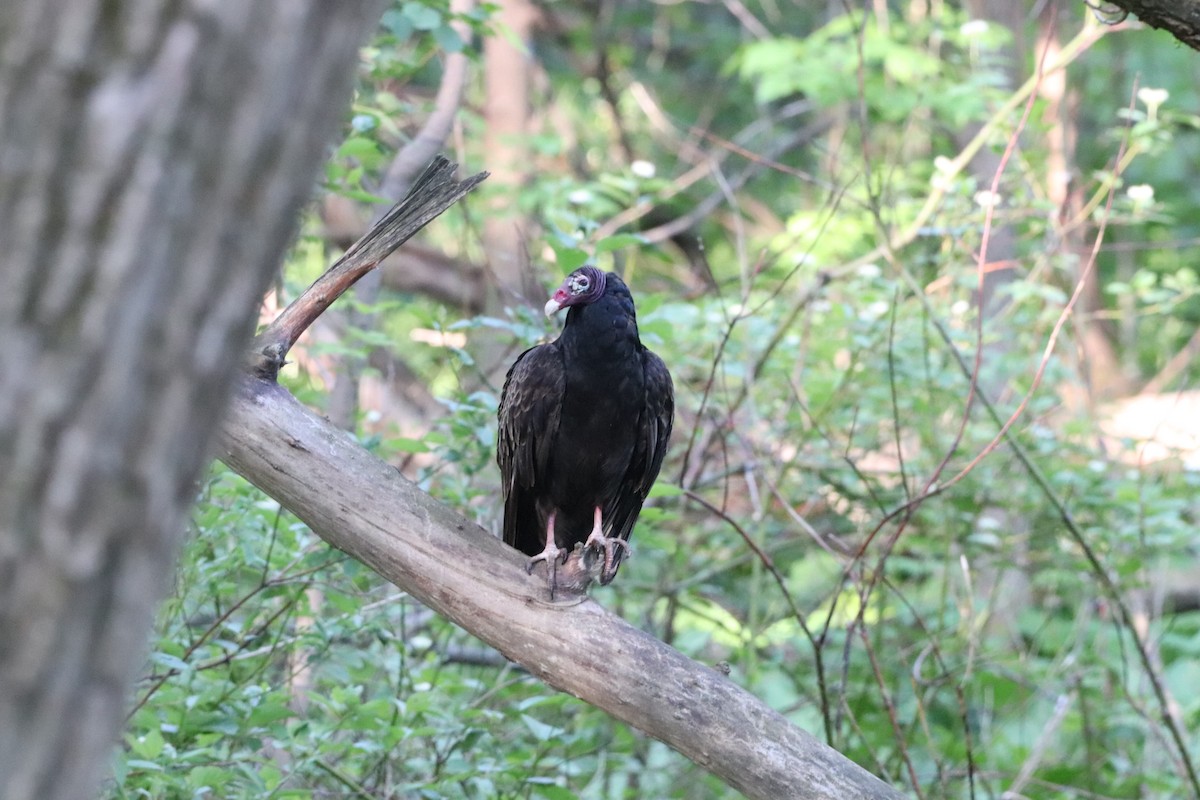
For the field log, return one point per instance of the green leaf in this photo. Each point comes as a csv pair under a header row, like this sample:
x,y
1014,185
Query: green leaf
x,y
448,39
422,16
568,258
270,775
359,147
398,23
361,196
212,778
663,489
403,445
540,730
620,240
149,746
169,661
269,712
552,791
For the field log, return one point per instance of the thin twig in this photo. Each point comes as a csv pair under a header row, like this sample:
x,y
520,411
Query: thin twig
x,y
889,706
769,564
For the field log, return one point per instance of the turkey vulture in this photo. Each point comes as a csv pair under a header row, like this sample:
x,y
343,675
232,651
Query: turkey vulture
x,y
584,425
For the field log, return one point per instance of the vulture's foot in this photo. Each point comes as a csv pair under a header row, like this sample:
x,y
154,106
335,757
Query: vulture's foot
x,y
609,545
552,555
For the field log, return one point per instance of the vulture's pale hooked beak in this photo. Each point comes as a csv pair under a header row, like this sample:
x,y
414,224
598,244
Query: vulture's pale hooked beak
x,y
556,302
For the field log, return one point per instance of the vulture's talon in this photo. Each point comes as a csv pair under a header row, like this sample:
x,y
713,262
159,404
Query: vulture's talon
x,y
552,561
550,555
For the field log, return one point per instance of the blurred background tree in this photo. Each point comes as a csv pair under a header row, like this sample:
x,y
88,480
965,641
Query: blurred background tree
x,y
920,272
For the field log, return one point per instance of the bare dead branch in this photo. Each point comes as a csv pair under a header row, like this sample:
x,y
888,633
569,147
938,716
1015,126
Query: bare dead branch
x,y
364,507
417,268
431,194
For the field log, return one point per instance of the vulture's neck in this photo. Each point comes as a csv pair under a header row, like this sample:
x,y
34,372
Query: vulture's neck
x,y
603,333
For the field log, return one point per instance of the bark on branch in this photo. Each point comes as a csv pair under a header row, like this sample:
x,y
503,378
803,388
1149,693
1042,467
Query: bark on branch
x,y
361,505
1180,18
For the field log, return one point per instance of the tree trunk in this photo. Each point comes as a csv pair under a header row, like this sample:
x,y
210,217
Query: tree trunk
x,y
153,156
507,80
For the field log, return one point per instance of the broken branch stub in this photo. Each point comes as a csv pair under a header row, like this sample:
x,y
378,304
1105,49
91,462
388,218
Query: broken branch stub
x,y
431,194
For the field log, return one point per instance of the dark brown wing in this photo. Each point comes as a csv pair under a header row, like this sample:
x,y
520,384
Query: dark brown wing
x,y
654,433
530,407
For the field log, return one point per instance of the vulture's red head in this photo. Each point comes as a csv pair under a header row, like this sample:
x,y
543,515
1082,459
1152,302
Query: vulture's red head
x,y
583,286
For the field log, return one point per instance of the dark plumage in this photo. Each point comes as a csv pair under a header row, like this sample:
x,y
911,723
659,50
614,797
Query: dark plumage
x,y
584,426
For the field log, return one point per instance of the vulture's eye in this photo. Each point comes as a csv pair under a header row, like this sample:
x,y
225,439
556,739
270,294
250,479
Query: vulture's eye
x,y
580,284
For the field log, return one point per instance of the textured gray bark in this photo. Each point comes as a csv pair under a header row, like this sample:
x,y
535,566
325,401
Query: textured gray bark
x,y
1180,18
363,506
153,156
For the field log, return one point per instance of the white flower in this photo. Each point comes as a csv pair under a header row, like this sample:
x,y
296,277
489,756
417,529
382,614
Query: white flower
x,y
580,196
976,27
1152,98
986,198
943,169
869,271
874,311
643,169
960,307
1141,193
988,524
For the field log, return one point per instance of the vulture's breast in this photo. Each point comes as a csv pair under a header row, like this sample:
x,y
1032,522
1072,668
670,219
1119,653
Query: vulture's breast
x,y
604,397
